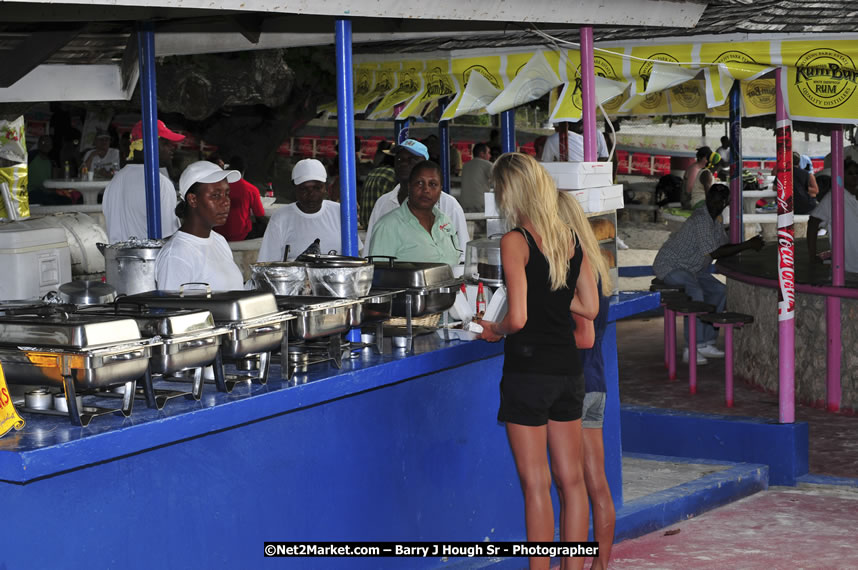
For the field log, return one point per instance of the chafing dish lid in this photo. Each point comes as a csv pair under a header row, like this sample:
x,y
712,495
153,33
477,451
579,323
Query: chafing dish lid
x,y
323,260
410,274
67,330
158,321
225,306
311,303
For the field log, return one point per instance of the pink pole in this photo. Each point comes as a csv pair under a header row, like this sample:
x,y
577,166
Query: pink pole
x,y
838,273
588,94
671,356
728,363
786,257
692,353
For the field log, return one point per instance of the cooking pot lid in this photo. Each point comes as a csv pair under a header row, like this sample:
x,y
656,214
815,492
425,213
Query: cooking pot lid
x,y
87,289
329,260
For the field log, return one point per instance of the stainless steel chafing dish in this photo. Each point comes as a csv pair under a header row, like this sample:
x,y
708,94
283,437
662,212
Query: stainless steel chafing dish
x,y
255,324
49,346
318,317
189,336
429,287
321,275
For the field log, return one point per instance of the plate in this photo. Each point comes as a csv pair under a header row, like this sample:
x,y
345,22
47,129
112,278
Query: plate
x,y
268,200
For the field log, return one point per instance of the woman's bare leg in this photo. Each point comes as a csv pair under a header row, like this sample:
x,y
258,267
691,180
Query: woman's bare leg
x,y
604,516
528,445
565,444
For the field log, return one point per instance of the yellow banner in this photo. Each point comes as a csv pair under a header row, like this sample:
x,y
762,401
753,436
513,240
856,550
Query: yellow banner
x,y
609,64
15,179
408,83
821,80
719,112
365,86
530,81
437,84
9,418
758,97
568,104
741,60
642,70
688,98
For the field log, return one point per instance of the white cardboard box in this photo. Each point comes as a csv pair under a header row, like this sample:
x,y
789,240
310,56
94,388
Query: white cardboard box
x,y
599,199
580,175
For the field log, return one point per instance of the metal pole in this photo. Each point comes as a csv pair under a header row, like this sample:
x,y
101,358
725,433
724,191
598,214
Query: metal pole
x,y
838,273
507,119
588,94
400,128
786,258
737,229
444,136
149,108
346,132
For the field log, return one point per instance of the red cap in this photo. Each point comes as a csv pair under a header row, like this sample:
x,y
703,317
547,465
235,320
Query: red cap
x,y
163,132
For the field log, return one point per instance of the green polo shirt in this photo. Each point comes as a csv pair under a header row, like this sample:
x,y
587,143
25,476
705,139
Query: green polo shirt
x,y
400,235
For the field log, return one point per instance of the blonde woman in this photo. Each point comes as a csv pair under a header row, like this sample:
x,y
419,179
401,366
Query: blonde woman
x,y
548,278
589,334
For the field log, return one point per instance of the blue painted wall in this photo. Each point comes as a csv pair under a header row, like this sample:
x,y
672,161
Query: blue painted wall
x,y
418,460
783,447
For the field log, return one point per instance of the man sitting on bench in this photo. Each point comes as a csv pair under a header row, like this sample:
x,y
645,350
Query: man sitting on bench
x,y
685,259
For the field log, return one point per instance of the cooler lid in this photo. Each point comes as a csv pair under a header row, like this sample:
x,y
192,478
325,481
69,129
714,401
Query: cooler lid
x,y
16,235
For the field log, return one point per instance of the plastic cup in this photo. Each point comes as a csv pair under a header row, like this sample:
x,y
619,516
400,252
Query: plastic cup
x,y
90,175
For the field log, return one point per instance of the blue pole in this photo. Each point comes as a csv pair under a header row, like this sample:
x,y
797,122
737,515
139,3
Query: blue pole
x,y
149,107
737,230
508,131
444,135
346,132
400,130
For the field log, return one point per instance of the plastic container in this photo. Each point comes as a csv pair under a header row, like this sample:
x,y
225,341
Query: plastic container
x,y
34,260
580,175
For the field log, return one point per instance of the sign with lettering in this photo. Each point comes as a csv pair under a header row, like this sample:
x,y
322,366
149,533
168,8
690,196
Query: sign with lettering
x,y
9,418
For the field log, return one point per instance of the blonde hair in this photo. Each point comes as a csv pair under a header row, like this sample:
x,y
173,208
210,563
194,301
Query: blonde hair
x,y
524,190
573,215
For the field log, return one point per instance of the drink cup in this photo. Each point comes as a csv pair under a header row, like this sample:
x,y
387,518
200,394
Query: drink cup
x,y
90,175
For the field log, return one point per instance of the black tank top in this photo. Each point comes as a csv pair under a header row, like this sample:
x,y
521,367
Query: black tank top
x,y
546,343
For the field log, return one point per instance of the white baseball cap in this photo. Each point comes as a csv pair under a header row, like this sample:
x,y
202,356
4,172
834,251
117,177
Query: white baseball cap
x,y
309,169
205,172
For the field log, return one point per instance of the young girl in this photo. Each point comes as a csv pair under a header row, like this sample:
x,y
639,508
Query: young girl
x,y
548,278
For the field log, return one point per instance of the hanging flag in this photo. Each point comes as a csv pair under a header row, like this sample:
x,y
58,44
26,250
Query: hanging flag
x,y
821,80
531,81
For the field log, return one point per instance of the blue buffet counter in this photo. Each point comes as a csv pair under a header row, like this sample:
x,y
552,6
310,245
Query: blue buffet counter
x,y
391,447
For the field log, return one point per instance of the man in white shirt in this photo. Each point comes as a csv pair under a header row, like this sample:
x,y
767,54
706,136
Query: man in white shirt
x,y
408,154
575,144
102,161
124,204
299,224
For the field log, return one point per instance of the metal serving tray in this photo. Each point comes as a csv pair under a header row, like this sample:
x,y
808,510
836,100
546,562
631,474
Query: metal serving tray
x,y
66,330
254,336
410,275
317,317
225,306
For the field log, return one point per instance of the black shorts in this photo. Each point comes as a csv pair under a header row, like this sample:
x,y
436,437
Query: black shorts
x,y
533,399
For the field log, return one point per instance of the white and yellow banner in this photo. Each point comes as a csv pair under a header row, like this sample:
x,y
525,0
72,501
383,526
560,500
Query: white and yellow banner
x,y
530,81
822,79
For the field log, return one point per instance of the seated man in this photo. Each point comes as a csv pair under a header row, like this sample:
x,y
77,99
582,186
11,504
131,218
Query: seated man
x,y
822,213
418,230
124,204
102,161
311,217
406,155
685,257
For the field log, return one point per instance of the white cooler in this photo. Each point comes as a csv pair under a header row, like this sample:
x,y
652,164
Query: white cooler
x,y
34,261
580,175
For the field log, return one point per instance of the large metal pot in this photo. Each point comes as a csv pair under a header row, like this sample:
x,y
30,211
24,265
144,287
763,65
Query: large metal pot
x,y
130,266
281,278
338,275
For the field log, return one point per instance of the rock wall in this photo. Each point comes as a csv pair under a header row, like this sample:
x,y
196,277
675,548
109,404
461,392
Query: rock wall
x,y
756,346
